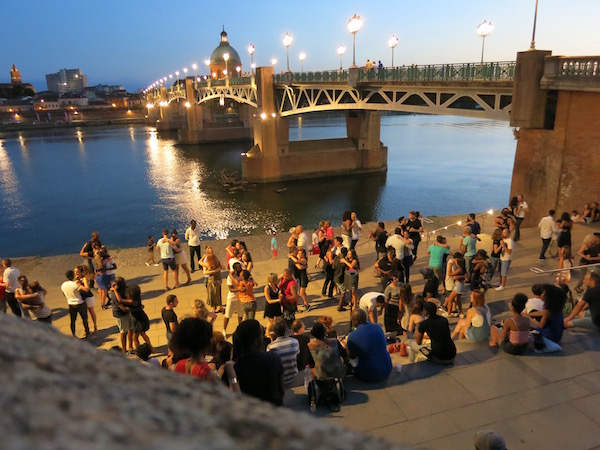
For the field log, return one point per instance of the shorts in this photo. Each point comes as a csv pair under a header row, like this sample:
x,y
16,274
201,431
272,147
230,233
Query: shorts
x,y
275,253
341,287
90,301
504,266
249,309
124,323
168,263
460,287
233,306
513,349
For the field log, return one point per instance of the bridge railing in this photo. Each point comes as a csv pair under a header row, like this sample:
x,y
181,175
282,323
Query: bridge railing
x,y
578,67
335,76
504,70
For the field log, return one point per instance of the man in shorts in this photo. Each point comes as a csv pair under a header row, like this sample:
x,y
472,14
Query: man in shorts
x,y
167,258
123,319
233,304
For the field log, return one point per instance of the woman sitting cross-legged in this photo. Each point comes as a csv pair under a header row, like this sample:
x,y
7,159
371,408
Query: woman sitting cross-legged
x,y
514,336
476,325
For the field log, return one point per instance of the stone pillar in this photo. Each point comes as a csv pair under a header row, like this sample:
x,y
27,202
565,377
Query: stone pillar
x,y
364,128
529,100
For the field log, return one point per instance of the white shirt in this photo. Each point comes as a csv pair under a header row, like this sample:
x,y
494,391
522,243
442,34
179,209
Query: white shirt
x,y
534,304
505,256
521,208
396,241
546,227
192,236
11,276
232,296
356,230
231,262
368,303
71,291
166,249
302,241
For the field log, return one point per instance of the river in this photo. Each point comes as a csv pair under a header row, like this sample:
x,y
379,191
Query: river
x,y
56,186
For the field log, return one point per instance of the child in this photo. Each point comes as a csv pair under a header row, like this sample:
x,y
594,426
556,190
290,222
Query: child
x,y
151,246
274,245
143,352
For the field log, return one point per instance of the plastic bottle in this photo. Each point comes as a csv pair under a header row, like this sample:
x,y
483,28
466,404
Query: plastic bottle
x,y
307,377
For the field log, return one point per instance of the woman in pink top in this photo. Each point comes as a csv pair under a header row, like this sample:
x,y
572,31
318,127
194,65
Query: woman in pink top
x,y
514,336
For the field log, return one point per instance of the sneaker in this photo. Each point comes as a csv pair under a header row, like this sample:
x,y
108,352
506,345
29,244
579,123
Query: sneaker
x,y
444,314
156,264
454,314
500,288
148,264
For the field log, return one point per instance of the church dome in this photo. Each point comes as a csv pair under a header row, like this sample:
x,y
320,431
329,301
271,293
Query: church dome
x,y
217,60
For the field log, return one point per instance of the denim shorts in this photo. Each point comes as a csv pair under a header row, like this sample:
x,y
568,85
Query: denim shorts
x,y
504,266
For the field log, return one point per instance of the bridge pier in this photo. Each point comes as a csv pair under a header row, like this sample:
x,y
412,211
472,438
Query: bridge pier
x,y
556,161
274,158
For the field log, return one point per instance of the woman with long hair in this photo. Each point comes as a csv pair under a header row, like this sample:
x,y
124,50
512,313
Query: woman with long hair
x,y
272,301
455,277
495,251
181,257
211,266
391,316
551,324
141,323
563,242
351,274
85,280
406,304
476,325
301,262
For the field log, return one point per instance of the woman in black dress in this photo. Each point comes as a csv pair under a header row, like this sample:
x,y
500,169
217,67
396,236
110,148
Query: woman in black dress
x,y
272,301
563,242
391,316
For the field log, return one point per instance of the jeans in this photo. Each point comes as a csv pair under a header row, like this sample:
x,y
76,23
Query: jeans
x,y
545,244
13,303
328,281
518,228
80,309
194,249
495,262
407,261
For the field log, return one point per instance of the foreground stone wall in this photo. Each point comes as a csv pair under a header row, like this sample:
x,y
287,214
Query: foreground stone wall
x,y
61,393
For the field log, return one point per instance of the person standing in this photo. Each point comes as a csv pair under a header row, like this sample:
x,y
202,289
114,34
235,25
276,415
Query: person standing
x,y
192,236
356,228
233,295
121,314
303,241
415,228
546,226
507,245
180,257
76,304
169,316
468,247
10,281
520,210
87,251
167,258
346,231
436,253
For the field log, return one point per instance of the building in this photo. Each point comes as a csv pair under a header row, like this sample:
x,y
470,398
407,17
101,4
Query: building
x,y
15,75
219,64
16,88
66,80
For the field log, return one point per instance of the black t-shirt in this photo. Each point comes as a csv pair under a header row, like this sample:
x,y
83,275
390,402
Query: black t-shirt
x,y
338,269
380,240
168,316
592,298
475,227
416,224
295,271
438,330
431,286
260,375
385,264
304,357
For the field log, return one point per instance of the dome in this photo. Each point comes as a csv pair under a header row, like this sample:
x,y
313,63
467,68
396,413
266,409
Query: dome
x,y
216,58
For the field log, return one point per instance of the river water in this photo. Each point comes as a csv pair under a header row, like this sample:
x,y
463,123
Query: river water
x,y
56,186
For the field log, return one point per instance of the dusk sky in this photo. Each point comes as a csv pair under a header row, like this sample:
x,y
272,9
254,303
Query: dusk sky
x,y
135,42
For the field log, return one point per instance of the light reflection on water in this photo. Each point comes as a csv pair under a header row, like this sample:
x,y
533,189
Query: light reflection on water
x,y
56,186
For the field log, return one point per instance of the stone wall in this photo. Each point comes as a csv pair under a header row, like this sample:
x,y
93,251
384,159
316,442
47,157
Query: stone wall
x,y
62,393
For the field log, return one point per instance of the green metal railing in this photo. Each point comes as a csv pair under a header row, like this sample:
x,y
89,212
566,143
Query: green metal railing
x,y
331,76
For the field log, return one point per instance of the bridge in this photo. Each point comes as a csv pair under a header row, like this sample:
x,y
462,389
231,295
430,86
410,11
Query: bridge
x,y
472,90
552,101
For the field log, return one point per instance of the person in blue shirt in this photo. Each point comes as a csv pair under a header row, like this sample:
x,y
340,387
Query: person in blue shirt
x,y
367,345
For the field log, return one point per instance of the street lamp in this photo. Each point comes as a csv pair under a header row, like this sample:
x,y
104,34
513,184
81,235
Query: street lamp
x,y
177,75
194,66
226,58
287,41
340,51
251,50
392,44
302,57
532,46
354,25
273,61
484,29
238,69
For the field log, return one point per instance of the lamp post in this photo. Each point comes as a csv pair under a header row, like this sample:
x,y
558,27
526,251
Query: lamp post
x,y
354,25
251,50
484,29
340,51
238,69
287,41
194,66
273,61
532,46
302,57
226,58
393,41
177,75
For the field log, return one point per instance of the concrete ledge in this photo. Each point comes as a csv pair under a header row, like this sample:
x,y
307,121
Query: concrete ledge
x,y
62,393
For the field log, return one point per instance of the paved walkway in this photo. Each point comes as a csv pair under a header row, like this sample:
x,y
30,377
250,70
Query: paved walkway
x,y
535,401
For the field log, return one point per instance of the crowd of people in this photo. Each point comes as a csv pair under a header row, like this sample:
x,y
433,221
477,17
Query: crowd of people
x,y
454,280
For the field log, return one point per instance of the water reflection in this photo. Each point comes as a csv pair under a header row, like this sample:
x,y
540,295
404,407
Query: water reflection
x,y
14,208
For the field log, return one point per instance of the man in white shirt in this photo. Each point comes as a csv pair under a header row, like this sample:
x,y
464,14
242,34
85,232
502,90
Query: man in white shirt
x,y
520,211
369,303
76,304
167,258
397,242
356,227
10,281
507,245
303,242
546,226
192,236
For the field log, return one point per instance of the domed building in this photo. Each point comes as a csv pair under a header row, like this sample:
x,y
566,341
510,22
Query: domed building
x,y
218,65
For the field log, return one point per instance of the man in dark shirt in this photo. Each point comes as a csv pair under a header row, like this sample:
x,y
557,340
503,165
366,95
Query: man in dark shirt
x,y
442,349
169,316
590,303
475,227
432,283
292,264
338,276
380,237
415,228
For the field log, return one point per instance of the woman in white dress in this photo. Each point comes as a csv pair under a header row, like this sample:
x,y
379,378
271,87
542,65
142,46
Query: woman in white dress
x,y
181,257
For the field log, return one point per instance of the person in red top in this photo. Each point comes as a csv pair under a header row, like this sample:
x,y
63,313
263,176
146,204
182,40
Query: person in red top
x,y
288,294
189,343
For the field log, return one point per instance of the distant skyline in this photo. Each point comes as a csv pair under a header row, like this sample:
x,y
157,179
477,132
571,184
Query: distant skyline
x,y
136,42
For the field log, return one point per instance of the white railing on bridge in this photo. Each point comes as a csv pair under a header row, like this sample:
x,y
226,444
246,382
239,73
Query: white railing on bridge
x,y
578,73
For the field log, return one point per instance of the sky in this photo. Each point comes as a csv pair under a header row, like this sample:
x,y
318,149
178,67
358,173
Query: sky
x,y
136,42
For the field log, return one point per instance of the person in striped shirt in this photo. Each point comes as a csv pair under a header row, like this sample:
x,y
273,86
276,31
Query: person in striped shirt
x,y
287,348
